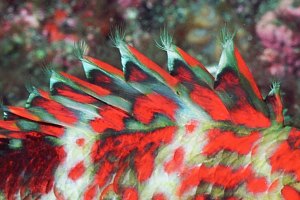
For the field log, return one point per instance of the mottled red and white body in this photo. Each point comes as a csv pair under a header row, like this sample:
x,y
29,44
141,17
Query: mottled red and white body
x,y
146,133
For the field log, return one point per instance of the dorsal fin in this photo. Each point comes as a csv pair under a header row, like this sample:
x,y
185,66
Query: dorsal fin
x,y
108,77
93,90
197,81
155,83
41,104
140,63
117,136
182,65
236,86
275,103
22,128
22,112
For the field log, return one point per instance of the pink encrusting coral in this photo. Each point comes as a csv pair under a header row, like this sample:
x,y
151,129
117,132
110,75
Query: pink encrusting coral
x,y
279,33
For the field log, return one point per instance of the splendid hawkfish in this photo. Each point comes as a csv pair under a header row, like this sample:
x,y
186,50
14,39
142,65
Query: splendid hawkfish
x,y
150,133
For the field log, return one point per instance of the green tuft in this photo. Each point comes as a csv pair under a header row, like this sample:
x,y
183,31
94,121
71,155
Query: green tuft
x,y
227,59
166,41
275,88
47,70
80,49
117,37
226,37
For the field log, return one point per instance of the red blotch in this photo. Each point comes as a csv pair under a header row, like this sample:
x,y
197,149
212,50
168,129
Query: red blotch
x,y
56,131
159,196
136,75
113,152
9,125
95,88
130,194
287,156
74,95
105,66
289,193
200,197
277,107
77,171
191,61
244,69
60,112
119,175
102,78
103,174
257,185
241,111
80,142
183,74
44,94
209,102
90,193
227,140
219,175
294,138
191,126
144,163
23,112
110,118
146,106
254,150
176,162
247,115
153,66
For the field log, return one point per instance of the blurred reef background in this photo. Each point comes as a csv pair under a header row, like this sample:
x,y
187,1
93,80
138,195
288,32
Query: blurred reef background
x,y
39,33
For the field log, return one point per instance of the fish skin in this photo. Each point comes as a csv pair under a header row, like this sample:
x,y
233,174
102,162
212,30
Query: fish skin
x,y
147,133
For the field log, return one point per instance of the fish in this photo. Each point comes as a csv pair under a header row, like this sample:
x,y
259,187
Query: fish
x,y
146,132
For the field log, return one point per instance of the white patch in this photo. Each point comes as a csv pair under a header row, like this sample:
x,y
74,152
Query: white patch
x,y
160,182
74,154
168,184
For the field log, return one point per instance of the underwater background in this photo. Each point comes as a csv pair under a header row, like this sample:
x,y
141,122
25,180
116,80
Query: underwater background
x,y
37,34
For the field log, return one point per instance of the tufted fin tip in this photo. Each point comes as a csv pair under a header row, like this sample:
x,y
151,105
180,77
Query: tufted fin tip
x,y
166,41
80,49
275,104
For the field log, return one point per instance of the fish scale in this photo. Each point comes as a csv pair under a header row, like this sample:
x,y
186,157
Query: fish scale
x,y
148,133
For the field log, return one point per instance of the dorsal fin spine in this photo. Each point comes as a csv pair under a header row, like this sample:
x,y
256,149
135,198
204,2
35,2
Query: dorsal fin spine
x,y
88,62
176,53
129,53
232,60
274,99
